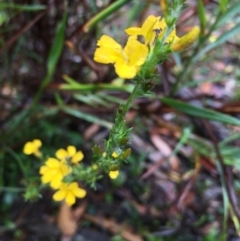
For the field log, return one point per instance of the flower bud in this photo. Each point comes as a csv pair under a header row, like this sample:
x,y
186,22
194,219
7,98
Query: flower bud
x,y
186,41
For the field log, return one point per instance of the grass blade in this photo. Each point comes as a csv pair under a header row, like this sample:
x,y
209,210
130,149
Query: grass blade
x,y
21,7
200,112
54,55
202,16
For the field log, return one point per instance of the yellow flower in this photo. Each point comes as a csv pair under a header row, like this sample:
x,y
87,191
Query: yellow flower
x,y
113,174
126,61
114,155
54,171
155,26
69,192
187,40
32,147
70,154
151,27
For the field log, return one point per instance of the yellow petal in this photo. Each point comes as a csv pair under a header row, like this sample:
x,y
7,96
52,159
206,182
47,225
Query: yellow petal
x,y
71,150
47,177
115,155
79,192
106,55
37,143
59,195
109,50
125,71
113,174
148,28
187,40
61,154
28,148
43,169
52,162
56,181
70,198
133,31
73,185
136,52
77,157
64,169
106,41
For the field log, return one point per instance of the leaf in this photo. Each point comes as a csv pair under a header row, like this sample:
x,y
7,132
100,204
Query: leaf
x,y
223,38
54,55
22,7
230,13
201,15
223,5
200,112
86,116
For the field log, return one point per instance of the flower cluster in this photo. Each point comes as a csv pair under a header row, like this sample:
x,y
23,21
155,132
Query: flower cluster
x,y
128,61
64,170
56,169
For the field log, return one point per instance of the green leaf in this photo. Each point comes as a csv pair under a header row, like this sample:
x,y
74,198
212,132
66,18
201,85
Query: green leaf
x,y
201,15
85,116
73,85
200,112
54,55
36,7
223,5
222,39
229,14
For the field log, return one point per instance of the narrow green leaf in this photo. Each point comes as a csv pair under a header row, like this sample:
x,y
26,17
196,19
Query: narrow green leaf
x,y
229,14
86,117
222,39
57,47
103,14
54,55
223,5
36,7
200,112
201,15
73,85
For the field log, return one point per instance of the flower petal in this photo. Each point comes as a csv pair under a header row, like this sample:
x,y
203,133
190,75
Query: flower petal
x,y
28,148
43,169
59,195
79,192
148,26
52,162
106,41
37,143
61,154
47,177
113,174
71,150
105,55
109,50
125,71
133,31
136,52
77,157
56,181
70,198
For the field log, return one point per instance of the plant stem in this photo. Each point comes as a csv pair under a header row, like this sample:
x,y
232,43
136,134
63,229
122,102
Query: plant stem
x,y
122,111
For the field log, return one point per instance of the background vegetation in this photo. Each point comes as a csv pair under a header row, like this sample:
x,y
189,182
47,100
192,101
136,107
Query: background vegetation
x,y
182,179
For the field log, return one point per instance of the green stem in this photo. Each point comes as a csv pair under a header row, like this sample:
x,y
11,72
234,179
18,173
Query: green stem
x,y
103,14
122,111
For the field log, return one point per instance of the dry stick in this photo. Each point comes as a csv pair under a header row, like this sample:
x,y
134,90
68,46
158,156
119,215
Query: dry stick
x,y
24,29
226,171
